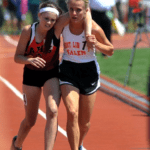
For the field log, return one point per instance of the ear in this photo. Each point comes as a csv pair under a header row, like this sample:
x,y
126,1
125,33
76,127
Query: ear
x,y
88,9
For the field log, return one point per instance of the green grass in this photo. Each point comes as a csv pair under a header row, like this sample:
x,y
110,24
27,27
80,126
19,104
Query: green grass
x,y
116,67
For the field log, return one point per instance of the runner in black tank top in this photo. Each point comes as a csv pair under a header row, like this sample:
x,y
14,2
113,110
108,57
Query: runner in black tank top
x,y
38,50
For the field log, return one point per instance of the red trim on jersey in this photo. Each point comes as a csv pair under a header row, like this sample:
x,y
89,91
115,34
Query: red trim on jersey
x,y
36,50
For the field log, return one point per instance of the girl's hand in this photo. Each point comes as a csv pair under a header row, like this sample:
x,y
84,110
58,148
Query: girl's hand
x,y
91,41
37,62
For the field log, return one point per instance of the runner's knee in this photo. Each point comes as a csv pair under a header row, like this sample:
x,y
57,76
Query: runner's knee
x,y
52,113
84,127
30,122
73,115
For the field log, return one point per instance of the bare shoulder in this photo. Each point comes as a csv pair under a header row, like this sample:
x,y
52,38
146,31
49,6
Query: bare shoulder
x,y
25,35
60,24
99,33
23,40
26,30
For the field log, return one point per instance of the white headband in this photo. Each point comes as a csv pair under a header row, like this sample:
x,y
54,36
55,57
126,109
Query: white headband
x,y
53,10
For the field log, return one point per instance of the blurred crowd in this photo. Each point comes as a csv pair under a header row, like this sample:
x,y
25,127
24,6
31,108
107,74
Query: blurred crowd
x,y
13,13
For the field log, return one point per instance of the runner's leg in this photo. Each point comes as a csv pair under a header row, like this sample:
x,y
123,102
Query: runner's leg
x,y
86,105
70,97
32,95
52,97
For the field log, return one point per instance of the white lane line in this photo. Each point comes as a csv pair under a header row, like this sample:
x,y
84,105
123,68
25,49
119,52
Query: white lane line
x,y
18,93
10,40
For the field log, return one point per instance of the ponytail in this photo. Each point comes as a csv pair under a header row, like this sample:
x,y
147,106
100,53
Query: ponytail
x,y
48,40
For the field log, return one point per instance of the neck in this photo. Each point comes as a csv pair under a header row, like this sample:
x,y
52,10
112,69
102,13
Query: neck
x,y
78,25
76,28
40,31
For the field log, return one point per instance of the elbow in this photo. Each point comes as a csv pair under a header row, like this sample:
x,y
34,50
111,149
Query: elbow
x,y
15,59
111,51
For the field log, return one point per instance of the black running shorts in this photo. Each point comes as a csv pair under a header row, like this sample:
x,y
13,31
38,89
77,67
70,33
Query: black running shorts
x,y
84,76
38,78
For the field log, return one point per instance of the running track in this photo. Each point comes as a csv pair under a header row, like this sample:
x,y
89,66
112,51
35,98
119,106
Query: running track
x,y
114,124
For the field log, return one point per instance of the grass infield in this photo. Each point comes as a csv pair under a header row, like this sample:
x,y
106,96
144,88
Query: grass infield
x,y
116,67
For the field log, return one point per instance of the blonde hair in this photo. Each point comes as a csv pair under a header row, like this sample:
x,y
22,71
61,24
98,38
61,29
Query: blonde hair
x,y
86,2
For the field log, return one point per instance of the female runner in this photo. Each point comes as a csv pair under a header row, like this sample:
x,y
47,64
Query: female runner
x,y
79,71
38,49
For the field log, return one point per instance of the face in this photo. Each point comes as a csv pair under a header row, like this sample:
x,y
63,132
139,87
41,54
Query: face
x,y
47,20
77,10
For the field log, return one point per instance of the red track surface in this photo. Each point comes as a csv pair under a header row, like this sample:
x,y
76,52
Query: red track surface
x,y
114,124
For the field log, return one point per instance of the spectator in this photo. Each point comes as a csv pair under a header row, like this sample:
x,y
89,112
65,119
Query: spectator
x,y
17,4
24,10
99,9
118,6
148,17
124,9
34,8
132,4
1,15
9,15
12,15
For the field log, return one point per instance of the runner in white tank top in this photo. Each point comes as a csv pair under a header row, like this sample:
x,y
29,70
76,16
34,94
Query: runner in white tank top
x,y
75,47
77,56
78,71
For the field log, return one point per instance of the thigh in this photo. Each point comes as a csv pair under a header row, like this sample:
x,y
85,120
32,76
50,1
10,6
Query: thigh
x,y
68,73
70,96
89,78
51,93
32,77
86,105
31,100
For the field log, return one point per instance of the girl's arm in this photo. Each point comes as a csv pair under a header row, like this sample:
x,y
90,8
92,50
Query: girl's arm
x,y
62,21
100,41
88,23
88,28
21,47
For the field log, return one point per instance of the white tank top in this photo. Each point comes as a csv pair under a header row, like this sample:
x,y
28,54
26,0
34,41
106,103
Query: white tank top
x,y
75,48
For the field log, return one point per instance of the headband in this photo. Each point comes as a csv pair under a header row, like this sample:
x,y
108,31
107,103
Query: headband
x,y
50,9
